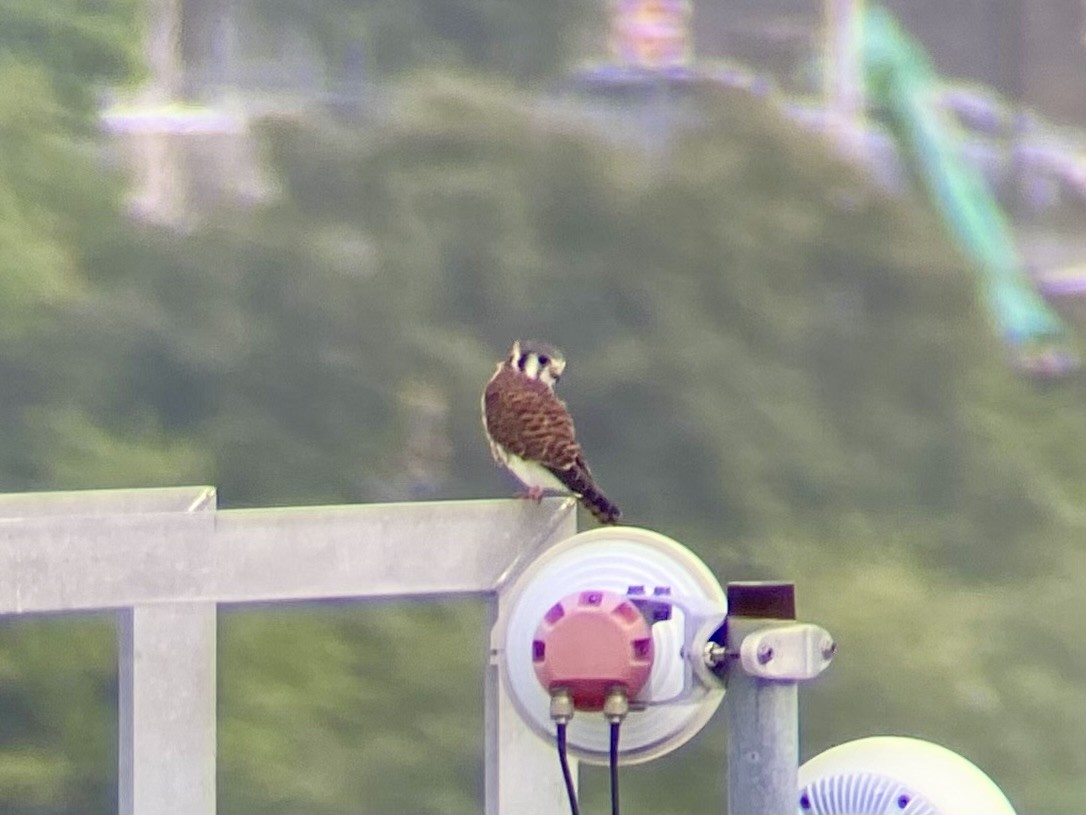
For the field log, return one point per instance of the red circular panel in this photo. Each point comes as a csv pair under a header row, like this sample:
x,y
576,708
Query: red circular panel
x,y
590,642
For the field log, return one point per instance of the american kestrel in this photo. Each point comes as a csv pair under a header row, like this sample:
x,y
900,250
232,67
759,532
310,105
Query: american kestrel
x,y
530,430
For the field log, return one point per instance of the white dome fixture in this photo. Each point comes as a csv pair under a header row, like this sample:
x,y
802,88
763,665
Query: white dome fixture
x,y
894,775
650,569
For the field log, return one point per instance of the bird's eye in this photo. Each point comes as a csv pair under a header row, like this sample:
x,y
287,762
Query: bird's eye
x,y
544,359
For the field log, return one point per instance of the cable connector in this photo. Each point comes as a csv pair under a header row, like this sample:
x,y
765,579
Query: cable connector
x,y
616,705
561,705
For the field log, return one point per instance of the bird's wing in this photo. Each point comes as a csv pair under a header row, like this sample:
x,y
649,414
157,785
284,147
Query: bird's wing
x,y
528,420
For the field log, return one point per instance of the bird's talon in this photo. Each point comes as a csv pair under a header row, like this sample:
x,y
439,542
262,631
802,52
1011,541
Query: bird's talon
x,y
533,493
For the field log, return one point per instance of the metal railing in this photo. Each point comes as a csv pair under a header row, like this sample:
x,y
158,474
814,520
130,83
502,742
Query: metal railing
x,y
165,559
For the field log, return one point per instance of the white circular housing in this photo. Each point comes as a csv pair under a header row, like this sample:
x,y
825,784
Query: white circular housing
x,y
615,559
893,775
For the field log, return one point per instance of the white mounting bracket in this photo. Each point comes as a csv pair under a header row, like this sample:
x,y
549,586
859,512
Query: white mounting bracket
x,y
790,653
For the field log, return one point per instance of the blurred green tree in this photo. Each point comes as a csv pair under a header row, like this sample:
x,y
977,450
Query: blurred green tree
x,y
82,47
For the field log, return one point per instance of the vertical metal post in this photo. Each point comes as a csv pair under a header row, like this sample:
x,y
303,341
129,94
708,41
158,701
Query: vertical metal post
x,y
166,709
166,704
762,715
522,773
523,776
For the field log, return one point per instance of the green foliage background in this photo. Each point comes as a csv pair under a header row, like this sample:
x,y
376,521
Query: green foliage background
x,y
770,360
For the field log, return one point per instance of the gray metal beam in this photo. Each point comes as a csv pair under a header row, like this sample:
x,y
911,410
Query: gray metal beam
x,y
105,502
66,563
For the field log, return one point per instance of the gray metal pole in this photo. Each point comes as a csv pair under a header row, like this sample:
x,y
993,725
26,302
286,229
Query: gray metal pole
x,y
762,715
167,709
521,770
166,685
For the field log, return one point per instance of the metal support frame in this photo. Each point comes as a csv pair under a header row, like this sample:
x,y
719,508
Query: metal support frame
x,y
763,738
165,558
762,714
522,770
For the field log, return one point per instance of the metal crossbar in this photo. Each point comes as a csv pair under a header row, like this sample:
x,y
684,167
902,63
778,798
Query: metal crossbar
x,y
165,558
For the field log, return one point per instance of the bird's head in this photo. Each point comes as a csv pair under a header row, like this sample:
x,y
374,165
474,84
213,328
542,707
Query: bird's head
x,y
537,360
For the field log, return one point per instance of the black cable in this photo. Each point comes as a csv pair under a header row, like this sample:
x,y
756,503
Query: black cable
x,y
614,766
563,758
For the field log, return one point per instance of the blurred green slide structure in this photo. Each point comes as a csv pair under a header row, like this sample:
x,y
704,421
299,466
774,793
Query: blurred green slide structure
x,y
901,81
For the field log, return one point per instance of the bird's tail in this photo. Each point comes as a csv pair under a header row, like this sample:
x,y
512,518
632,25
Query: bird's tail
x,y
579,481
598,504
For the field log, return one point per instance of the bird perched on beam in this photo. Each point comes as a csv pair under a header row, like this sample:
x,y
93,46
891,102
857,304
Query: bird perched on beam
x,y
531,432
